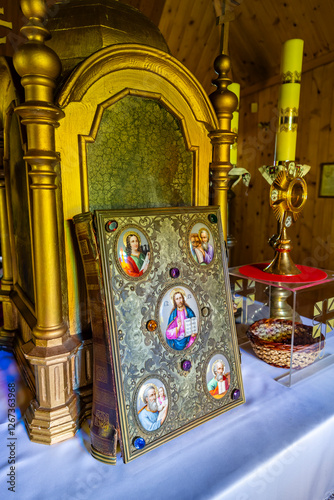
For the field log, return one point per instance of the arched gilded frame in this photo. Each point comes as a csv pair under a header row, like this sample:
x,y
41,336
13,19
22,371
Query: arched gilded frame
x,y
117,72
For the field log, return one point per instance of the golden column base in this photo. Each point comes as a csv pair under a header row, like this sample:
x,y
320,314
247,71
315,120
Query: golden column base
x,y
50,427
54,415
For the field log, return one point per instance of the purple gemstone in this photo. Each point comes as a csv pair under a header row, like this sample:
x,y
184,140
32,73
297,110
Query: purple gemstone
x,y
235,394
186,365
174,272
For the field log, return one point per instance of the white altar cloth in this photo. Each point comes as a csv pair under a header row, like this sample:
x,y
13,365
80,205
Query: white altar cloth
x,y
279,445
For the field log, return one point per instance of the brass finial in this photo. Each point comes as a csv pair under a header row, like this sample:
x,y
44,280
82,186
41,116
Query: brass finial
x,y
34,9
225,103
37,64
223,100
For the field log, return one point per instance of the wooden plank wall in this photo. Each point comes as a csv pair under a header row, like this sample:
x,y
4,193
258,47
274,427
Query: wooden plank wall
x,y
11,20
252,221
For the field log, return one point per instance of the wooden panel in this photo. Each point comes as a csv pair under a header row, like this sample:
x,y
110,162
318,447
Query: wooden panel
x,y
10,33
150,8
190,30
251,206
262,27
189,27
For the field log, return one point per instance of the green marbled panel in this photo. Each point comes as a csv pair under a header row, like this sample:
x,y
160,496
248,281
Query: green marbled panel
x,y
139,158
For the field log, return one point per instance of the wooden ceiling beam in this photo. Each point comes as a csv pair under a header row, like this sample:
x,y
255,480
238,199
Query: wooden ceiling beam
x,y
275,80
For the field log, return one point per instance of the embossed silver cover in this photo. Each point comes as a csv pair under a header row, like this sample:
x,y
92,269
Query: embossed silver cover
x,y
145,357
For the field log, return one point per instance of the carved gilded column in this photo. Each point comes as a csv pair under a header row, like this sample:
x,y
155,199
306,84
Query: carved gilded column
x,y
225,103
53,416
39,67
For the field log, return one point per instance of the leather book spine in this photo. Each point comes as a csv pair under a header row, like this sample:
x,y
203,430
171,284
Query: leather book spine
x,y
105,431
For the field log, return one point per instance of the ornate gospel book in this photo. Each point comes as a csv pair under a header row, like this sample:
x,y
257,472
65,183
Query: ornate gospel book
x,y
166,356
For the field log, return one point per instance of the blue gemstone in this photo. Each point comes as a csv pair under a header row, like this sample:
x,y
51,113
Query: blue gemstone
x,y
174,272
235,394
139,443
186,365
111,226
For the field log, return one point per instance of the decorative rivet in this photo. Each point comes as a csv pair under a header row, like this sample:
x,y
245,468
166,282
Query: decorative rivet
x,y
274,195
139,443
288,221
175,272
151,325
132,288
111,226
205,311
186,365
235,394
213,218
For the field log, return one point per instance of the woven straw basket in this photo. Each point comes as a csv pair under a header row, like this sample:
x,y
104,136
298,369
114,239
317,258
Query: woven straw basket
x,y
271,341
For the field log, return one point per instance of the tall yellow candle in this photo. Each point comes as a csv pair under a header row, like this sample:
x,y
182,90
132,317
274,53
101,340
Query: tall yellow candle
x,y
292,57
235,88
291,67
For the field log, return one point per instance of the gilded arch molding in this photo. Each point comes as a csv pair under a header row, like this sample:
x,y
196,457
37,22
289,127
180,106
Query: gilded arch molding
x,y
142,71
151,63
